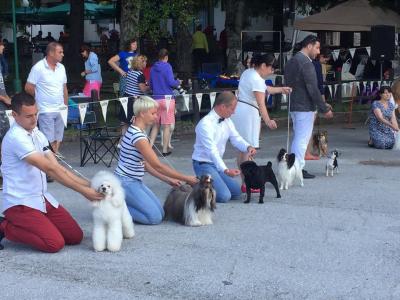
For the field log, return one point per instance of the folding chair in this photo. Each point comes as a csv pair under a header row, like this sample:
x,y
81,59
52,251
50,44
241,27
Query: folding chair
x,y
97,143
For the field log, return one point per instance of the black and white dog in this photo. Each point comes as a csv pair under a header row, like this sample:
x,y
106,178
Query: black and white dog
x,y
332,163
256,176
288,169
192,206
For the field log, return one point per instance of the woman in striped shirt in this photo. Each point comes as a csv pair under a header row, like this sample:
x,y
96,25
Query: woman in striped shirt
x,y
135,86
136,156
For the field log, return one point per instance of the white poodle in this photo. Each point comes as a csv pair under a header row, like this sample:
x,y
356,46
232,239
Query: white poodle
x,y
111,218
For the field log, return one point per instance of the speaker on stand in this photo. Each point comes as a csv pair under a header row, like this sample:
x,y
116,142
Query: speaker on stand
x,y
382,44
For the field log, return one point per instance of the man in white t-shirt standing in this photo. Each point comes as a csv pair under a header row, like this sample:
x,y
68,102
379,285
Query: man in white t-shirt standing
x,y
47,82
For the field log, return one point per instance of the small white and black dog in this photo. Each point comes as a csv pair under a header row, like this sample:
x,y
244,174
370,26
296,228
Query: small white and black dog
x,y
191,206
332,163
288,170
111,219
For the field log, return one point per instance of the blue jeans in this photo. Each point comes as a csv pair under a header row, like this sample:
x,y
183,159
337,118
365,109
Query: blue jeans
x,y
225,186
143,205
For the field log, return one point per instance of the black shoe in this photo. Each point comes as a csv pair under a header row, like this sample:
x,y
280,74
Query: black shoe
x,y
49,179
307,175
166,153
1,234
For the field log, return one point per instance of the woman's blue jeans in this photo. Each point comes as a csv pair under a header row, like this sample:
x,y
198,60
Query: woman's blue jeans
x,y
225,186
143,205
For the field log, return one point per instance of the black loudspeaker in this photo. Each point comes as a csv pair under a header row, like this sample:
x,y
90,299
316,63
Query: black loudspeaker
x,y
382,42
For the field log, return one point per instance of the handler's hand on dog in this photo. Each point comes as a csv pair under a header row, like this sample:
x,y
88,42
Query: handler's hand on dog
x,y
232,172
192,180
328,115
92,194
251,151
174,182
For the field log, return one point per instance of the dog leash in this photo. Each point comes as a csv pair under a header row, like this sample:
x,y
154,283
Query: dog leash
x,y
288,125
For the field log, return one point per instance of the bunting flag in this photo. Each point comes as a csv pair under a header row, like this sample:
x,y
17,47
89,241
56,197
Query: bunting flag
x,y
288,56
335,54
358,86
186,100
250,54
104,106
82,111
365,85
330,90
379,84
10,117
284,98
64,114
236,93
199,97
368,50
352,51
336,89
124,103
238,52
276,54
168,101
212,98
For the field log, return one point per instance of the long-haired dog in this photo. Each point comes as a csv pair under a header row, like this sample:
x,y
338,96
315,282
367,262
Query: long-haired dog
x,y
256,176
288,169
332,163
111,219
320,143
191,206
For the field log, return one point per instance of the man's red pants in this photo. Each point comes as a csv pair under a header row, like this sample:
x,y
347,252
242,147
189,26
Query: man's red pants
x,y
48,232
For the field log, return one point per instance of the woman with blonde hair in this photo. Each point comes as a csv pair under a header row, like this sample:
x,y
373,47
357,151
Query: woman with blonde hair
x,y
136,85
136,156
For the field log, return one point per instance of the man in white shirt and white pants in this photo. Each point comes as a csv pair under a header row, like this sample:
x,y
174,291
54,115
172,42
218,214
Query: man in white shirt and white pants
x,y
212,133
47,82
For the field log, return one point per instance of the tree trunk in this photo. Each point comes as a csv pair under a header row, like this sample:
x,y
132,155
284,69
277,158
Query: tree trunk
x,y
76,37
183,45
234,23
130,10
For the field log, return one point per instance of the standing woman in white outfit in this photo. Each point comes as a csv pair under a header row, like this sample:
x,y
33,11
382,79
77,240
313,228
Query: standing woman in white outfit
x,y
251,103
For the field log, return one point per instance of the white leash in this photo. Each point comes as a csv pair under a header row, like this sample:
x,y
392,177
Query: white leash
x,y
69,166
288,125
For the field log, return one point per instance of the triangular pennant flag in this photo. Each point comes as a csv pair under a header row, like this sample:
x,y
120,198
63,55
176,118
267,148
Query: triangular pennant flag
x,y
104,106
352,51
124,103
212,98
168,101
289,55
199,97
276,54
238,52
64,114
10,117
236,93
227,52
368,50
335,54
365,85
186,100
358,86
330,90
250,54
336,88
284,98
379,84
82,111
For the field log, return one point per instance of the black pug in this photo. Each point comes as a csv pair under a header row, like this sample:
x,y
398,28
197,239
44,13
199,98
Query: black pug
x,y
256,176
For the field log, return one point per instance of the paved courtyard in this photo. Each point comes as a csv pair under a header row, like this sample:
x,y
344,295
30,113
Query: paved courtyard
x,y
335,238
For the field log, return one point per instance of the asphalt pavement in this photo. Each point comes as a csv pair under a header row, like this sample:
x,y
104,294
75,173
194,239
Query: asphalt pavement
x,y
334,238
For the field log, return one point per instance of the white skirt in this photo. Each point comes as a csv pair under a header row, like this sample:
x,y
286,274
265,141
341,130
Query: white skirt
x,y
247,122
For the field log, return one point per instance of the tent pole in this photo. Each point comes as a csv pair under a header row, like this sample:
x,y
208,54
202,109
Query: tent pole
x,y
17,81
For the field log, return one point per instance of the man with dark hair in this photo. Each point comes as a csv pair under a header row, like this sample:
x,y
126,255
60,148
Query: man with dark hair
x,y
212,133
306,97
32,215
47,82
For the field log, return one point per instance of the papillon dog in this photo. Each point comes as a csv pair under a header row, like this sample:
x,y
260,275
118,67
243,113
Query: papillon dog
x,y
288,170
